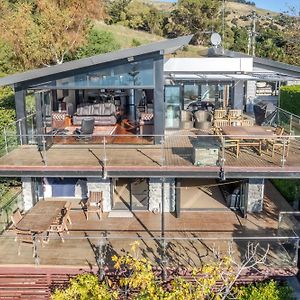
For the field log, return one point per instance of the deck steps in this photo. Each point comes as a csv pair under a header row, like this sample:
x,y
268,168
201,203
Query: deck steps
x,y
30,286
37,284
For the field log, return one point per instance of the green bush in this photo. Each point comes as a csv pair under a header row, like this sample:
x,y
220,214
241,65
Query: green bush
x,y
290,98
264,291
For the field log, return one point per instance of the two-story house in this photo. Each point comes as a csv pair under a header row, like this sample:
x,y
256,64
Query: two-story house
x,y
171,143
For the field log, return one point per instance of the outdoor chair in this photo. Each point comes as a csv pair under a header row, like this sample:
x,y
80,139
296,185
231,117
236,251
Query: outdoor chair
x,y
59,228
16,217
234,114
86,130
67,211
25,237
248,122
94,204
202,119
64,212
233,145
280,142
186,120
218,124
219,114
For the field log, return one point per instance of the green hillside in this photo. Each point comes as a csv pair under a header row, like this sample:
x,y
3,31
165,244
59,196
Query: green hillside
x,y
128,38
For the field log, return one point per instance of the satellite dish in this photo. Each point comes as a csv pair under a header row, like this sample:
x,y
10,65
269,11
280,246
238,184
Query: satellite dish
x,y
215,39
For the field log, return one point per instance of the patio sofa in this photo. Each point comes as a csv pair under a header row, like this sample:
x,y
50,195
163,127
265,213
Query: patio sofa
x,y
103,113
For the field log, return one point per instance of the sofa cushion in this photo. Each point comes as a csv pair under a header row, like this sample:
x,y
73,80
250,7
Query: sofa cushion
x,y
83,110
96,109
108,109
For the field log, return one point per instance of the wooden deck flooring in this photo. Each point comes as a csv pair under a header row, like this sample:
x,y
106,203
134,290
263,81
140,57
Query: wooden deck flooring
x,y
191,238
175,153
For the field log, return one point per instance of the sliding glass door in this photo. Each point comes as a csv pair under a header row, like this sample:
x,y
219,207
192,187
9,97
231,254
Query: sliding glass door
x,y
131,194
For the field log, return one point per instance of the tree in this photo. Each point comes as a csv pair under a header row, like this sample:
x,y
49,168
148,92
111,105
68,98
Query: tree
x,y
50,29
198,17
292,38
136,279
98,42
115,10
135,14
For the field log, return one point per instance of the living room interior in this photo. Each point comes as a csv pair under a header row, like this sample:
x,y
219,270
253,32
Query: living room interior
x,y
114,111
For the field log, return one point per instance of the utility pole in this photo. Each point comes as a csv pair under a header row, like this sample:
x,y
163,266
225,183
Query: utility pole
x,y
249,41
253,32
223,23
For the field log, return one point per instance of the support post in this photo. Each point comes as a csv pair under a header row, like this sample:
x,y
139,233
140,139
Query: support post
x,y
177,198
39,118
159,105
21,114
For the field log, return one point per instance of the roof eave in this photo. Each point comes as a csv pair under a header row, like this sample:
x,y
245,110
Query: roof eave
x,y
257,60
164,47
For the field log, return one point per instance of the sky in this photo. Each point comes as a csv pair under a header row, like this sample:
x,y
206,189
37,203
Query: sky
x,y
274,5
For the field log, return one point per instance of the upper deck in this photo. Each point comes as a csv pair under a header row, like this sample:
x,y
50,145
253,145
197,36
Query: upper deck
x,y
177,154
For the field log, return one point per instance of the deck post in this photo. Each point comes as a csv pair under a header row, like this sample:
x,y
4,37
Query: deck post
x,y
284,153
36,250
5,140
101,255
163,241
20,102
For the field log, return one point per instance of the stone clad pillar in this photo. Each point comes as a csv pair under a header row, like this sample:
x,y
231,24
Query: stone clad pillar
x,y
254,195
96,184
155,194
28,193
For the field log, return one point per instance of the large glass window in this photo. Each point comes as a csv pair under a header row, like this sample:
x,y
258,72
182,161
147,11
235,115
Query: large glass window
x,y
138,73
190,94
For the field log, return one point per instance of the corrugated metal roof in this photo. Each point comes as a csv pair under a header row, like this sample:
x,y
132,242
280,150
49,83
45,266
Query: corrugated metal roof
x,y
167,46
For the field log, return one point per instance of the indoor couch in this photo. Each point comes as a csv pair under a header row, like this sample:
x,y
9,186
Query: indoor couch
x,y
103,113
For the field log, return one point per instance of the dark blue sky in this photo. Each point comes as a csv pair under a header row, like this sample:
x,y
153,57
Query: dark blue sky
x,y
275,5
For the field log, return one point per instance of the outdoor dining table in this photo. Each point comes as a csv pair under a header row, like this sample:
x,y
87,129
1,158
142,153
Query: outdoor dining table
x,y
248,136
246,132
39,218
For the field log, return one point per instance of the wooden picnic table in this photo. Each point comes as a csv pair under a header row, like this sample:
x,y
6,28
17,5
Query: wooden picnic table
x,y
39,218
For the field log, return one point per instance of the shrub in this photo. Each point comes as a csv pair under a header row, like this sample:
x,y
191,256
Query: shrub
x,y
135,43
264,291
290,98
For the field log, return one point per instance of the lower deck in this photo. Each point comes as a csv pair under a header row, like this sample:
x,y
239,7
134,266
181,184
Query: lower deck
x,y
189,240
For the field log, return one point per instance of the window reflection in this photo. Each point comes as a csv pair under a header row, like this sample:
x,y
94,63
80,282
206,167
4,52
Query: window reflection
x,y
132,74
